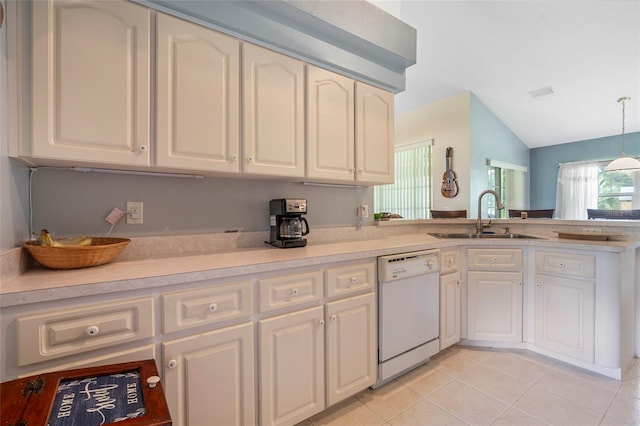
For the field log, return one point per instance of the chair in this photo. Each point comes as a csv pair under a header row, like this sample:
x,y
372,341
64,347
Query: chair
x,y
544,213
446,214
613,214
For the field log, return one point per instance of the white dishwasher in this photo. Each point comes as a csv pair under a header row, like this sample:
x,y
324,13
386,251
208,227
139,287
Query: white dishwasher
x,y
408,309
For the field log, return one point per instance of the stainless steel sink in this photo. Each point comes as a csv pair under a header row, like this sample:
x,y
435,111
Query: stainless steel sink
x,y
483,236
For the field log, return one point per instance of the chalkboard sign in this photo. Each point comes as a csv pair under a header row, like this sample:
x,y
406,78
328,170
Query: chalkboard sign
x,y
98,400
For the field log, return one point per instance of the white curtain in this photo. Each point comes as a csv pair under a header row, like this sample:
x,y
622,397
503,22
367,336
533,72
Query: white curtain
x,y
577,190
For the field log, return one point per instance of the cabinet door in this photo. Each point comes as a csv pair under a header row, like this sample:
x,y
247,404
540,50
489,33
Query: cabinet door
x,y
91,80
374,135
330,126
351,346
565,315
198,94
273,105
449,310
209,377
291,366
494,306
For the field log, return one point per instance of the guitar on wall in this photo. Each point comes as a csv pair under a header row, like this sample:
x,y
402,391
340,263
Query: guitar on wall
x,y
449,179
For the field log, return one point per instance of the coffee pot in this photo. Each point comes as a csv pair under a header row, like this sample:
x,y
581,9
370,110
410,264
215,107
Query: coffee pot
x,y
293,227
287,224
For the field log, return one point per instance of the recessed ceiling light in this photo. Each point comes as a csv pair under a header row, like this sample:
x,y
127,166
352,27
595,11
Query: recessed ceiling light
x,y
542,92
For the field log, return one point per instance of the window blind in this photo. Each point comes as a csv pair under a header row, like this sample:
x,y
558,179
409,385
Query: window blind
x,y
410,194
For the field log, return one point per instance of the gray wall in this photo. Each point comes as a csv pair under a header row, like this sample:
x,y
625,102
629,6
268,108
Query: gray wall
x,y
66,202
544,162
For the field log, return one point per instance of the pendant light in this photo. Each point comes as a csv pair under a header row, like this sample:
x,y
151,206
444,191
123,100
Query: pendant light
x,y
624,162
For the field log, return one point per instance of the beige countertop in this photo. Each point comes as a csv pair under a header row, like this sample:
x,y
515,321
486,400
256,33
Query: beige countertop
x,y
39,285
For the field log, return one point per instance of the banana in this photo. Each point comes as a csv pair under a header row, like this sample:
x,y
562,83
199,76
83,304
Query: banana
x,y
46,239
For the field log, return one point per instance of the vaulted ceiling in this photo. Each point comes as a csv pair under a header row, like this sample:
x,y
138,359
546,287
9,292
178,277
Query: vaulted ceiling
x,y
587,52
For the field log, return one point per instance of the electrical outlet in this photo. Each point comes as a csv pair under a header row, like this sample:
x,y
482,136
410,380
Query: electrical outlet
x,y
134,212
363,211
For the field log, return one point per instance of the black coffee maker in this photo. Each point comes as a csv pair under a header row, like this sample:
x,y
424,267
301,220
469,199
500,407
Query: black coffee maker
x,y
287,224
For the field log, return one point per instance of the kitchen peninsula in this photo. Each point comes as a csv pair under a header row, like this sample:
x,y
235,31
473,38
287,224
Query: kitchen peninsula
x,y
178,309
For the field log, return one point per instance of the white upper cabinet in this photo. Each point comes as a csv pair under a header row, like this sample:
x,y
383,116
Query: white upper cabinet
x,y
91,82
273,106
330,126
198,94
374,135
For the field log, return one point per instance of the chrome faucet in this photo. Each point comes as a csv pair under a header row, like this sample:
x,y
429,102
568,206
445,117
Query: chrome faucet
x,y
499,206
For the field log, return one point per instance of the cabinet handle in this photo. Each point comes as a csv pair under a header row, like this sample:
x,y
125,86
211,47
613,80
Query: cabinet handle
x,y
92,330
334,317
143,148
321,323
172,363
213,307
295,291
153,381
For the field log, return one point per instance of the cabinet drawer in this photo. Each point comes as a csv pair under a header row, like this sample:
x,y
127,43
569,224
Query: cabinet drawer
x,y
494,259
192,308
289,290
574,265
350,278
449,261
57,334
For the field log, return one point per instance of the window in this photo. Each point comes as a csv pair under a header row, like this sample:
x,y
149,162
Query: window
x,y
617,190
410,195
508,180
585,185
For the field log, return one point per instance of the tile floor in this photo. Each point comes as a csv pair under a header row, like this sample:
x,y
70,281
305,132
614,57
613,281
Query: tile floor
x,y
474,386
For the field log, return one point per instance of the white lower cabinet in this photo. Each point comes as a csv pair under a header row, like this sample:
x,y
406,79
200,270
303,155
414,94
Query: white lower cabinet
x,y
494,306
565,315
351,346
291,366
565,299
209,377
449,309
296,347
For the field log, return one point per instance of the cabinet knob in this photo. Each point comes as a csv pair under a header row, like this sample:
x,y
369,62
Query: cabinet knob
x,y
334,317
495,259
450,261
172,363
321,323
458,282
213,307
352,169
360,171
250,159
429,263
153,381
143,148
562,264
354,280
92,330
234,157
520,283
295,291
538,285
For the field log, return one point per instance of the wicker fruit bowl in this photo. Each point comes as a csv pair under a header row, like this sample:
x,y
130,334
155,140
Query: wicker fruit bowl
x,y
100,251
